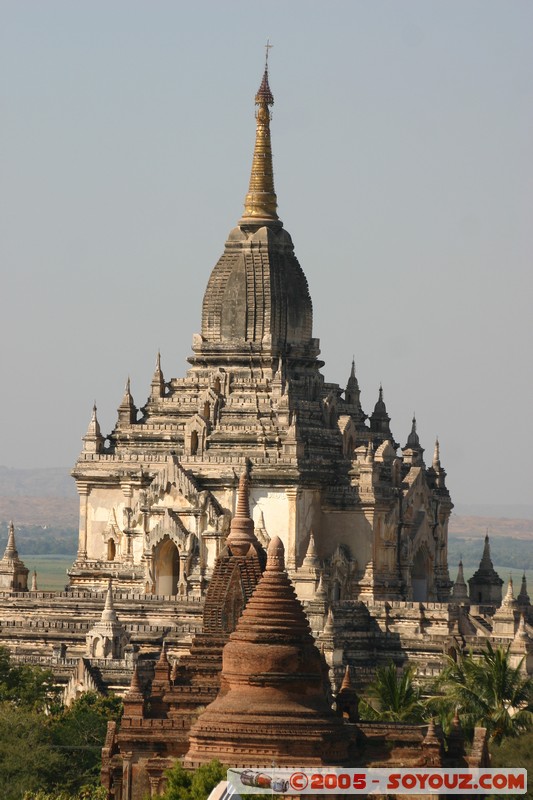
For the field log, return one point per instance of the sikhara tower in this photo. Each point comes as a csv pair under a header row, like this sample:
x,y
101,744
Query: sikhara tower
x,y
359,518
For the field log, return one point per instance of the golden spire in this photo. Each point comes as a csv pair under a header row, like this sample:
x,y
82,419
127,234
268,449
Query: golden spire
x,y
261,201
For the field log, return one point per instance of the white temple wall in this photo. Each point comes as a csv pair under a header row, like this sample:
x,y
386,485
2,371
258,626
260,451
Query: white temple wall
x,y
274,504
100,502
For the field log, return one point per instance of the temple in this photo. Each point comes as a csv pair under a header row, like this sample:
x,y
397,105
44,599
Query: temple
x,y
172,602
157,493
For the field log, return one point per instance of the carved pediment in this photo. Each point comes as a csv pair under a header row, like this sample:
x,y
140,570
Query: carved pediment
x,y
175,488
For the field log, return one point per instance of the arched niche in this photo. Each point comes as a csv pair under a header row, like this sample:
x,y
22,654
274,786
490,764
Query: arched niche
x,y
420,576
167,567
111,550
194,443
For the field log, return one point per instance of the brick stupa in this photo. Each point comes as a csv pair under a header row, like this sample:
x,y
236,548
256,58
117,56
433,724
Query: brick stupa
x,y
272,706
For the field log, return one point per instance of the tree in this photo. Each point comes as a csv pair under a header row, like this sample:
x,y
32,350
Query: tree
x,y
516,752
27,686
28,759
79,733
197,785
54,752
487,691
392,697
86,793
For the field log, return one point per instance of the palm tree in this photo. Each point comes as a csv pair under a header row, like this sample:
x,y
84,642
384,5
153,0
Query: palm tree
x,y
392,697
487,691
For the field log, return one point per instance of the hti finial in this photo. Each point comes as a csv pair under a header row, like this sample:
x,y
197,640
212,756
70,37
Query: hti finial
x,y
268,47
261,203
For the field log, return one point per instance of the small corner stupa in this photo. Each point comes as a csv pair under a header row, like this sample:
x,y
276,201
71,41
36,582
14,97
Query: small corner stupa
x,y
108,637
13,571
485,584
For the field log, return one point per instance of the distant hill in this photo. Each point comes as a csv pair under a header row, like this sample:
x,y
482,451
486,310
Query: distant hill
x,y
474,527
49,482
49,511
511,541
44,506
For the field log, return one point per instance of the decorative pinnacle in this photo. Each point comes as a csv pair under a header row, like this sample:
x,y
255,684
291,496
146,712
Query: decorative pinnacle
x,y
135,686
11,549
93,431
108,612
347,680
352,380
163,657
380,407
243,503
436,454
509,596
242,534
486,561
261,201
413,440
275,556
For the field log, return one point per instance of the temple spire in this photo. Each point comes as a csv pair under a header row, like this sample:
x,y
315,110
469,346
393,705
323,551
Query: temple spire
x,y
352,393
523,597
109,614
412,439
157,387
127,412
11,552
436,455
486,560
261,202
93,441
460,590
242,535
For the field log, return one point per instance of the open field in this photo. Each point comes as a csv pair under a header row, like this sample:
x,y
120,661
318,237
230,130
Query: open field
x,y
51,570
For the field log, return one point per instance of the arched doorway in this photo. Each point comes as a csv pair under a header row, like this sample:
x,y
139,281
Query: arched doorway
x,y
419,577
167,567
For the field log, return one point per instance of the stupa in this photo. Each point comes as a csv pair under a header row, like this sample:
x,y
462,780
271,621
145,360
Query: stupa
x,y
13,571
272,707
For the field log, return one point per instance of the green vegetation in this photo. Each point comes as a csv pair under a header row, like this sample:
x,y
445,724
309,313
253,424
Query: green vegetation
x,y
392,697
486,691
87,793
183,785
516,752
53,755
26,687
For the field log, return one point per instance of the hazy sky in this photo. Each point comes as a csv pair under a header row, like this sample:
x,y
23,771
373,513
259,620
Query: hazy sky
x,y
402,137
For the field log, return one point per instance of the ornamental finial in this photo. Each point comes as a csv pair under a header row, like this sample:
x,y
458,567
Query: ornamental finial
x,y
261,202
